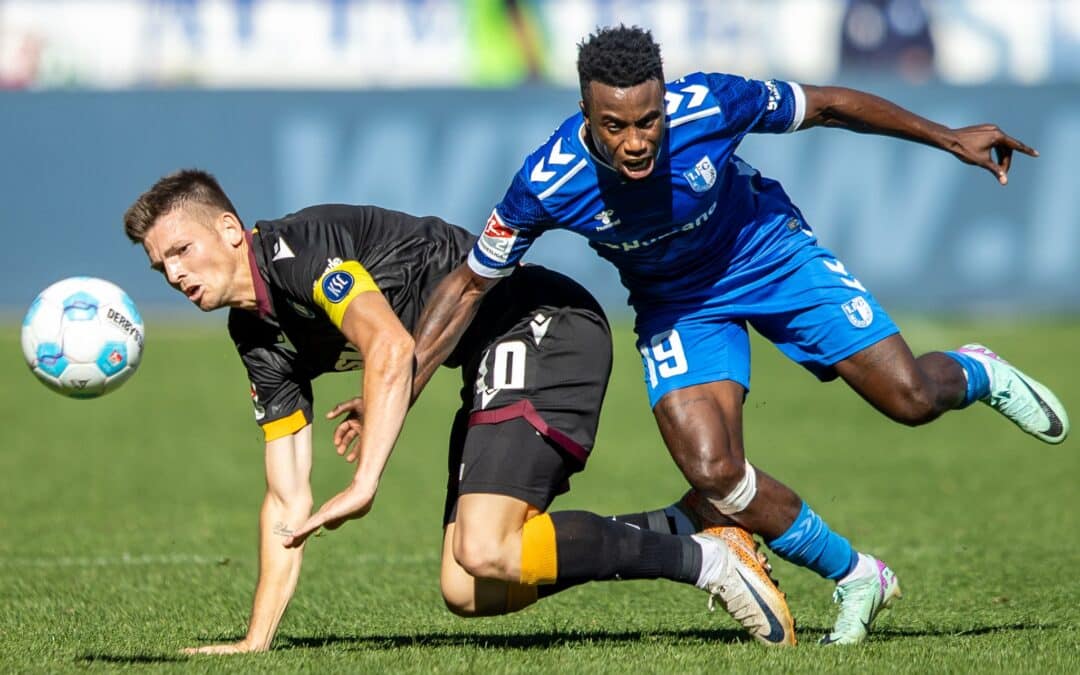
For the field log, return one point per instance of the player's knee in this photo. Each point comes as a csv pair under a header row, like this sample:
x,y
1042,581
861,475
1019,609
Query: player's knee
x,y
459,601
912,402
483,557
719,473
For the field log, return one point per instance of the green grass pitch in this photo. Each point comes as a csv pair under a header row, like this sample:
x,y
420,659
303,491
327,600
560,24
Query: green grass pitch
x,y
128,528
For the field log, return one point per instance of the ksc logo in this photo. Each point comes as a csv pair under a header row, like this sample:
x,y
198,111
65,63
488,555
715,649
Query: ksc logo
x,y
337,285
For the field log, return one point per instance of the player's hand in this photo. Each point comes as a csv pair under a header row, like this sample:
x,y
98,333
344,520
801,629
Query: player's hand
x,y
348,430
242,647
354,502
988,146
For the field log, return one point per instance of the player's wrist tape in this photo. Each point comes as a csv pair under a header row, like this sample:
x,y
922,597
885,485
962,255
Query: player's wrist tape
x,y
739,498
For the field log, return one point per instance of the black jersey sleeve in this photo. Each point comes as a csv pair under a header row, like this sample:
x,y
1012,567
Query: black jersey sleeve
x,y
280,391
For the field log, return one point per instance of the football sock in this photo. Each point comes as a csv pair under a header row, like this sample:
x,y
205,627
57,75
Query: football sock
x,y
978,380
864,568
589,547
671,520
810,543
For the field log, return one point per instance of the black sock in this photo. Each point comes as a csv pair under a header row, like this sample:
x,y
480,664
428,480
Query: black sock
x,y
654,521
592,548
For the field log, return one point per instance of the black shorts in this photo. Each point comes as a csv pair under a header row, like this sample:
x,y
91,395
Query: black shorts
x,y
530,406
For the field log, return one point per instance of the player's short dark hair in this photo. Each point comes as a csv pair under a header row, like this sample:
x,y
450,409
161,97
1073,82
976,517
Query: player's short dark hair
x,y
619,56
187,186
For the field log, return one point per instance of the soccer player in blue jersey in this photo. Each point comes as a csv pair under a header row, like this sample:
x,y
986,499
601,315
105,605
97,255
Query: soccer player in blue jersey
x,y
706,246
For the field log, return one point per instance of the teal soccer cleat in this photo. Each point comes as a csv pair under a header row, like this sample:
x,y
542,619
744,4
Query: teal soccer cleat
x,y
861,600
1028,403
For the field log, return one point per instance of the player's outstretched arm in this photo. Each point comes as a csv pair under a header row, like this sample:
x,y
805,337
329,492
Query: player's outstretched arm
x,y
982,145
286,505
448,312
371,325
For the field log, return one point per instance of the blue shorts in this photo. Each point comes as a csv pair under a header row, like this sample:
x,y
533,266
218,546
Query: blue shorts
x,y
816,313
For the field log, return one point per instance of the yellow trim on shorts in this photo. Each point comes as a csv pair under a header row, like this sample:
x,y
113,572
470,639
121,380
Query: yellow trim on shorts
x,y
539,563
338,286
284,426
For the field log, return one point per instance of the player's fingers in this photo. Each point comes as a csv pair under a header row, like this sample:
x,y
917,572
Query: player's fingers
x,y
301,533
1014,144
355,404
995,168
347,440
1004,157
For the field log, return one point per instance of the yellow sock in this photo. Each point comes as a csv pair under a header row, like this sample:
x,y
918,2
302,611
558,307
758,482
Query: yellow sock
x,y
539,564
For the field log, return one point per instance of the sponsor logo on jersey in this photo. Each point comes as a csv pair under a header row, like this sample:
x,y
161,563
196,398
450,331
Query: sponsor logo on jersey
x,y
331,263
702,176
686,227
301,310
497,240
859,312
774,96
260,412
337,285
607,219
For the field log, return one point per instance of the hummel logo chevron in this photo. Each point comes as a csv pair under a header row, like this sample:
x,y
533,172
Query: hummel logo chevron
x,y
697,92
542,175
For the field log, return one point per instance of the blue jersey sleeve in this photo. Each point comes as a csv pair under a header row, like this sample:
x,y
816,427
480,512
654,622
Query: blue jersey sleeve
x,y
512,227
757,106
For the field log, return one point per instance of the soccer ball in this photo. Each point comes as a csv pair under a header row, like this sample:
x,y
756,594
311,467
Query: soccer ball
x,y
82,337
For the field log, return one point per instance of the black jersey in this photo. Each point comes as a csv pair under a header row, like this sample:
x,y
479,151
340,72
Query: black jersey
x,y
309,265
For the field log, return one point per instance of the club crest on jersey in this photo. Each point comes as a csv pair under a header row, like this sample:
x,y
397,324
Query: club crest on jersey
x,y
859,312
702,176
498,239
337,285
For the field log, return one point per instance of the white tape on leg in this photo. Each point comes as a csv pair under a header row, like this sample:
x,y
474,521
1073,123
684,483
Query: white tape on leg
x,y
741,496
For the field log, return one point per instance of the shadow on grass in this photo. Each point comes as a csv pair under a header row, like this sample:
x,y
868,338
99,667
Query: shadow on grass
x,y
538,640
547,640
129,658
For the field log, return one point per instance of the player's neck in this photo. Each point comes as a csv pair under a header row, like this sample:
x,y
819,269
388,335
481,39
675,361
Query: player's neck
x,y
243,286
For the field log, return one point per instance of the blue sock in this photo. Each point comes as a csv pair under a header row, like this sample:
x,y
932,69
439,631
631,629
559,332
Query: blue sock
x,y
978,381
810,543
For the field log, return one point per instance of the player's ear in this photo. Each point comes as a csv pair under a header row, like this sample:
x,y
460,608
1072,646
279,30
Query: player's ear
x,y
230,228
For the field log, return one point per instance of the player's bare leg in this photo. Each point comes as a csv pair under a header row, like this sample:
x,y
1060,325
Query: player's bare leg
x,y
702,426
499,533
916,391
908,390
502,554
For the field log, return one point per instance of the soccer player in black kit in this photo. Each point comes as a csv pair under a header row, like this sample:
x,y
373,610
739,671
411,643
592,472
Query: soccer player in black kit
x,y
337,287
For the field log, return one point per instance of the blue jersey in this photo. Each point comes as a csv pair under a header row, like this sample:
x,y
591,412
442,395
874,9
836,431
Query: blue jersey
x,y
703,221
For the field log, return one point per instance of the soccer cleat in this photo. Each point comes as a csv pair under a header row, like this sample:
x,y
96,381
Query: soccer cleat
x,y
861,600
1029,404
743,586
